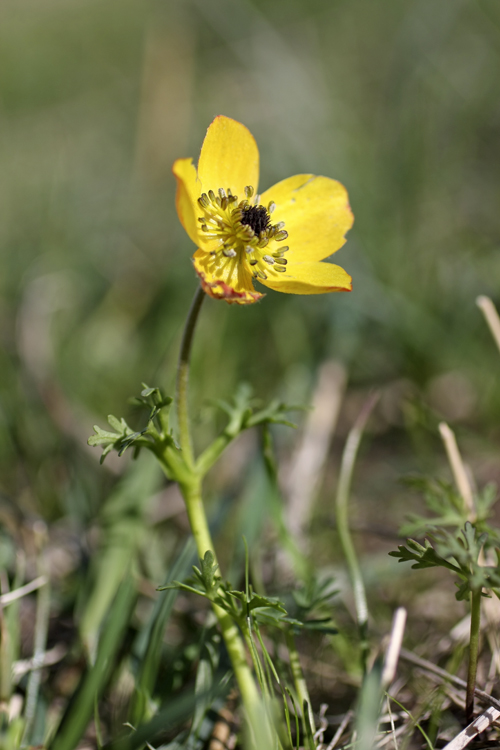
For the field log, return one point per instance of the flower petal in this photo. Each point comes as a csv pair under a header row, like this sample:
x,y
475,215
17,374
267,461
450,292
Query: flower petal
x,y
311,278
188,192
229,158
229,280
316,213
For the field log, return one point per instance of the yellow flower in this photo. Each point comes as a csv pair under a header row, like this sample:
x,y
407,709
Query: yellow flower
x,y
277,238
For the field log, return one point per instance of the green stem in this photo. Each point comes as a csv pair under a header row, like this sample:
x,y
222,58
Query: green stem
x,y
475,621
199,526
342,506
211,454
190,486
181,400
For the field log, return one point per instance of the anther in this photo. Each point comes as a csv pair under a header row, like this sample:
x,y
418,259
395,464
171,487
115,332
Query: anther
x,y
270,260
281,251
211,195
254,262
271,207
261,275
281,235
222,193
281,269
281,261
229,252
203,200
249,191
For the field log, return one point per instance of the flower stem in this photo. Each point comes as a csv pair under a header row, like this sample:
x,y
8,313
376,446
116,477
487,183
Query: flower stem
x,y
199,527
190,486
183,377
475,621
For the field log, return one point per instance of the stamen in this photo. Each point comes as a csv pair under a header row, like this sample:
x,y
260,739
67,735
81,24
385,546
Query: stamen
x,y
242,229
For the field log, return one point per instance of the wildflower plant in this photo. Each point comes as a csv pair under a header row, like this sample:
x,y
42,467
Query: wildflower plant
x,y
460,539
278,239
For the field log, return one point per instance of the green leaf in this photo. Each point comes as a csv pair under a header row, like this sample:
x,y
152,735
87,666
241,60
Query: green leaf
x,y
256,601
204,581
423,556
244,412
208,574
124,436
314,595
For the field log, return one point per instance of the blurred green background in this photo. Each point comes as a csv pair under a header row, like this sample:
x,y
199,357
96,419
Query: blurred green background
x,y
398,99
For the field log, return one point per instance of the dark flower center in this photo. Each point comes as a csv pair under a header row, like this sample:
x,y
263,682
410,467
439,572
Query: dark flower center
x,y
256,217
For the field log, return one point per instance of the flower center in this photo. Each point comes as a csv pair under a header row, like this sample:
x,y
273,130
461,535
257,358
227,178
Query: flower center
x,y
256,217
242,231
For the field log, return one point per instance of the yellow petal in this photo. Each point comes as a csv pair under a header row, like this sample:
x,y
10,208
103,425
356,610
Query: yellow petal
x,y
229,158
316,213
311,278
227,280
188,192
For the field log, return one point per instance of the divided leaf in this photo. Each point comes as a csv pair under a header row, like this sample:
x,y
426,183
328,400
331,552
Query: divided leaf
x,y
124,436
